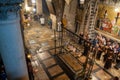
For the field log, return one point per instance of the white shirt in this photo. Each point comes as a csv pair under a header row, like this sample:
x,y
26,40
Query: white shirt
x,y
42,20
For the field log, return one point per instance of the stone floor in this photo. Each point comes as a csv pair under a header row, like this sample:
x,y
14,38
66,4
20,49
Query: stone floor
x,y
40,41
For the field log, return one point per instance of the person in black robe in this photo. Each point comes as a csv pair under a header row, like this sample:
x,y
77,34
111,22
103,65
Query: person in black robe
x,y
117,66
106,53
99,53
108,62
115,78
81,38
86,48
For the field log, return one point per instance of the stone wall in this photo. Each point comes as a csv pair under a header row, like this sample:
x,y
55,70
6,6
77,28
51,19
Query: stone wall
x,y
70,12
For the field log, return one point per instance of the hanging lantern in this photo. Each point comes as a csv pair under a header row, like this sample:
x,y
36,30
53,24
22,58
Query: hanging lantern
x,y
82,1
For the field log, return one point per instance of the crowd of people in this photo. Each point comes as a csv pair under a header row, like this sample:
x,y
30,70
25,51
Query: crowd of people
x,y
103,49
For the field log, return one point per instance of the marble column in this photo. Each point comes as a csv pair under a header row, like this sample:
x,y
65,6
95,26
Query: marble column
x,y
11,43
39,6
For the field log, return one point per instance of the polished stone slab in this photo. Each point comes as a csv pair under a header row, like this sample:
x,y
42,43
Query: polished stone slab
x,y
94,77
76,54
49,62
101,74
114,72
55,70
82,59
44,55
53,51
51,43
95,67
39,72
44,44
71,62
62,77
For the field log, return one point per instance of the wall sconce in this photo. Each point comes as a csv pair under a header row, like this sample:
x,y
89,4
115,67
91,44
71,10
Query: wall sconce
x,y
29,56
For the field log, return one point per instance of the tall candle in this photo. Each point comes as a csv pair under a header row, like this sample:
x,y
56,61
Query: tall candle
x,y
118,14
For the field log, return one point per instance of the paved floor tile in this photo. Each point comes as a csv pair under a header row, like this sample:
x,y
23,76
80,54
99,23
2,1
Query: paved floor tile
x,y
101,74
82,59
95,67
44,55
55,70
49,62
62,77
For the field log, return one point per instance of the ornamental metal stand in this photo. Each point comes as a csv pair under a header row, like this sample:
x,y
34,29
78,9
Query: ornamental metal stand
x,y
66,38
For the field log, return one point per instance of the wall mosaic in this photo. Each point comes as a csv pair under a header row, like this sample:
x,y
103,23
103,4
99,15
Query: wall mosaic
x,y
108,19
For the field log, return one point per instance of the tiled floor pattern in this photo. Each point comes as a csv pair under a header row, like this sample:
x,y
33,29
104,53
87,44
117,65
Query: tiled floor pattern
x,y
39,39
49,62
55,70
104,75
48,65
39,71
